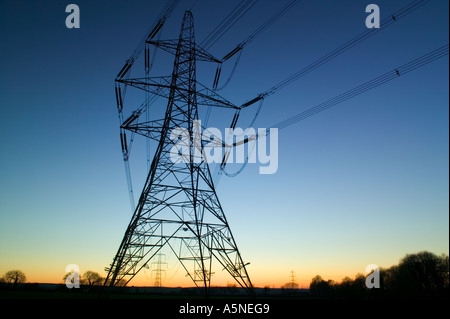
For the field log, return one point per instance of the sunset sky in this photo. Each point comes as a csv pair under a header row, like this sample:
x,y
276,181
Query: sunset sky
x,y
364,182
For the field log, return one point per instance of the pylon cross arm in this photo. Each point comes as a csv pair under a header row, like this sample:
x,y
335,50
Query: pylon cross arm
x,y
172,45
160,87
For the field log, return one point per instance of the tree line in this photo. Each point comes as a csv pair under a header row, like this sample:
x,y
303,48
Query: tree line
x,y
419,275
13,278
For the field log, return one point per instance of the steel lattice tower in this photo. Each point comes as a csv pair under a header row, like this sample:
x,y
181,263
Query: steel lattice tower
x,y
178,207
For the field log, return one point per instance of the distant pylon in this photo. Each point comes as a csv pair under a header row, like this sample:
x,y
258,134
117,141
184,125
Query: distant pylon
x,y
292,283
158,270
178,207
292,276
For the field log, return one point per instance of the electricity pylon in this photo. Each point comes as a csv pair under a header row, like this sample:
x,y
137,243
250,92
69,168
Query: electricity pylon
x,y
158,270
178,207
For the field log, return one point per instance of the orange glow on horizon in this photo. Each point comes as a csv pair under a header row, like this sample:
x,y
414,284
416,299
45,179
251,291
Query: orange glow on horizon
x,y
258,281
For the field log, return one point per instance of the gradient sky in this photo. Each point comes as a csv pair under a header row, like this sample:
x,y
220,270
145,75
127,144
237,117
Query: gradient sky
x,y
362,183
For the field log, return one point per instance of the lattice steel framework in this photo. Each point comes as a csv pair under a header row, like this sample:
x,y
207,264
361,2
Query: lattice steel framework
x,y
178,207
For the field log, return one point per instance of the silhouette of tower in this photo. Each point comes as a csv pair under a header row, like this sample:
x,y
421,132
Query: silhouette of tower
x,y
292,283
178,207
158,270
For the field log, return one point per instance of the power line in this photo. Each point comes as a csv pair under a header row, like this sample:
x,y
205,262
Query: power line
x,y
341,49
269,22
125,72
331,55
382,79
403,12
238,49
151,33
261,29
234,16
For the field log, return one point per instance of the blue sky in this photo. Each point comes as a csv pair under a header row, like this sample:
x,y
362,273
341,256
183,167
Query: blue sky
x,y
364,182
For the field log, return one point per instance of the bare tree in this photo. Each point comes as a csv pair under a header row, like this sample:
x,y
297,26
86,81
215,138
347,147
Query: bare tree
x,y
15,277
290,285
92,278
73,278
